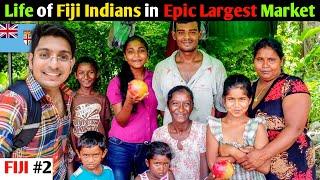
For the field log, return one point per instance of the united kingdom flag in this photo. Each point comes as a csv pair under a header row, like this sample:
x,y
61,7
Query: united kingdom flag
x,y
8,30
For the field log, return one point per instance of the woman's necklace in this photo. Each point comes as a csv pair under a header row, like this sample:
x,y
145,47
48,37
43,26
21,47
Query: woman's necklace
x,y
181,135
257,97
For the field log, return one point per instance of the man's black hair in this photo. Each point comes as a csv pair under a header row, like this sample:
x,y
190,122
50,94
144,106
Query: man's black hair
x,y
183,21
52,30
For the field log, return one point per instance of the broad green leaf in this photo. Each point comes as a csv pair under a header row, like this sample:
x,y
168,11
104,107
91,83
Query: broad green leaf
x,y
309,32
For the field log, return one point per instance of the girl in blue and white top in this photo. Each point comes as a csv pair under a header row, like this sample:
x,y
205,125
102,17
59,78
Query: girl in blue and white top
x,y
231,137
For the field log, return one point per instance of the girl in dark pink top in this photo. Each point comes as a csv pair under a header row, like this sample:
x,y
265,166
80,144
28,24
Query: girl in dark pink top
x,y
135,117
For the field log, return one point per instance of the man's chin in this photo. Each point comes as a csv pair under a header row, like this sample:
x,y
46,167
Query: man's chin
x,y
50,84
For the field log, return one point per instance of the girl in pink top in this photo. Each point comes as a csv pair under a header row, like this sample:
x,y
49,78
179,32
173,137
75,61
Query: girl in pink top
x,y
135,117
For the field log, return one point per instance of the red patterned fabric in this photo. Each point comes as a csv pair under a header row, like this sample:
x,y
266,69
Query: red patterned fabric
x,y
298,161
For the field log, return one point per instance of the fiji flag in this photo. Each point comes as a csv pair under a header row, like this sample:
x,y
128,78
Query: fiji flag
x,y
15,37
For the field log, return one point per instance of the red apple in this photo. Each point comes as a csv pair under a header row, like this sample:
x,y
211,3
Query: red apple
x,y
222,169
138,87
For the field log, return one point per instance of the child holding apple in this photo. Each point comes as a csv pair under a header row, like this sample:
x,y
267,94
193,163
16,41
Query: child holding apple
x,y
229,138
135,111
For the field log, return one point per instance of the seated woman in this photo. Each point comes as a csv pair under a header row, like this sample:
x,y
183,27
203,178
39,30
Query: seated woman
x,y
186,138
284,101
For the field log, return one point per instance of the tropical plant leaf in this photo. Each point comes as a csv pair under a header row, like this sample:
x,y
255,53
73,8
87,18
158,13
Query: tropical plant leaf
x,y
309,32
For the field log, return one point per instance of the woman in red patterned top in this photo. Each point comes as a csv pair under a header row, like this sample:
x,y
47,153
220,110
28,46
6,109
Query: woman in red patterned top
x,y
284,101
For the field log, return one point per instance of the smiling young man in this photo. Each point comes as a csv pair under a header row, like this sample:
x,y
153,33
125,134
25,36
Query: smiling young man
x,y
191,67
50,62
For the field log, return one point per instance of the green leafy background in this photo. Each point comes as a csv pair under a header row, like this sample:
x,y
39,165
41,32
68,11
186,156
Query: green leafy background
x,y
235,52
232,45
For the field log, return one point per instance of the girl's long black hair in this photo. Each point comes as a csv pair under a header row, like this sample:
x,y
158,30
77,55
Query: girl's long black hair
x,y
125,75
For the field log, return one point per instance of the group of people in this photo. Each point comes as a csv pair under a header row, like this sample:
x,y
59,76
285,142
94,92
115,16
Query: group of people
x,y
207,117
